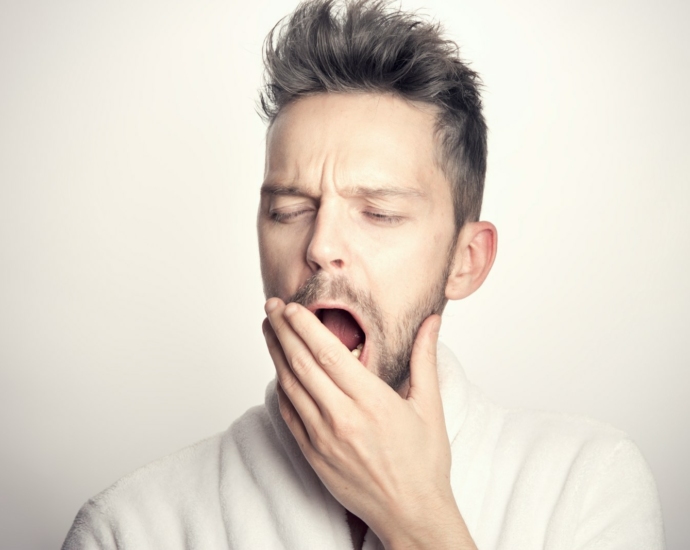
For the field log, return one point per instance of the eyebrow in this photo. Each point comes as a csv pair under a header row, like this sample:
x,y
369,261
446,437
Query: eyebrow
x,y
273,190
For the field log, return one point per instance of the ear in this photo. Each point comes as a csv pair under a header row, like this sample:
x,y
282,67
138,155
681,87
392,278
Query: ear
x,y
474,255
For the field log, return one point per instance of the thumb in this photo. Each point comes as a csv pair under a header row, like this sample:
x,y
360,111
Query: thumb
x,y
423,374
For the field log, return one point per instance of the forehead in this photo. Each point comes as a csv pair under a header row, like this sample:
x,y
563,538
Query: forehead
x,y
352,140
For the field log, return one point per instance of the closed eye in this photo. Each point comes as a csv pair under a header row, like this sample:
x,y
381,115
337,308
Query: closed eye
x,y
384,217
286,217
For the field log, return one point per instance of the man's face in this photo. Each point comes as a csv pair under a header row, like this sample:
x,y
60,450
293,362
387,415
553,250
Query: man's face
x,y
356,217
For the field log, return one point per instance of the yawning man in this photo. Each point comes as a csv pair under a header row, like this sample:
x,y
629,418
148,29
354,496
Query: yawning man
x,y
371,436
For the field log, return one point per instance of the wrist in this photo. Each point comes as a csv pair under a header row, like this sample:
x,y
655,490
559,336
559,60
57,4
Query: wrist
x,y
435,527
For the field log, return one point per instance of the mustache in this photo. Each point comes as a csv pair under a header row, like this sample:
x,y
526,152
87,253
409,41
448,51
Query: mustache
x,y
320,286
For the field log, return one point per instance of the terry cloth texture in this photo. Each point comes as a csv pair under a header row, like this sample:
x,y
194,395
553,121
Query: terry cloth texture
x,y
522,480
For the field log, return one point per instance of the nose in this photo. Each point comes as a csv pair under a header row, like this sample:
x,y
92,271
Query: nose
x,y
328,247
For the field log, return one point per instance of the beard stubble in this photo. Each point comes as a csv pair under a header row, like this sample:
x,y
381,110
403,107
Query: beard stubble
x,y
394,343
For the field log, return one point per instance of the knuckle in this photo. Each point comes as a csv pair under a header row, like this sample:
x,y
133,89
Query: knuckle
x,y
301,363
330,356
377,407
343,428
321,444
287,381
285,411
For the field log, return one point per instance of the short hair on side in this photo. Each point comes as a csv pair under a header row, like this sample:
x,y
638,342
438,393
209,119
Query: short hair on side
x,y
367,46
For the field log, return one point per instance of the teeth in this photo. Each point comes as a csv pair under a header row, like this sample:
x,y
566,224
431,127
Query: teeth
x,y
357,351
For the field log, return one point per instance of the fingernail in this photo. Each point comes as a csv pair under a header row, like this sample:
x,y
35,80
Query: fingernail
x,y
271,305
291,309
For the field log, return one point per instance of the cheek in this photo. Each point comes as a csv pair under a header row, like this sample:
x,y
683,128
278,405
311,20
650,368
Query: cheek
x,y
406,271
395,272
272,256
277,243
282,256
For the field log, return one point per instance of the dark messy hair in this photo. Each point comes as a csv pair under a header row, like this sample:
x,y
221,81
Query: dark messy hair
x,y
365,46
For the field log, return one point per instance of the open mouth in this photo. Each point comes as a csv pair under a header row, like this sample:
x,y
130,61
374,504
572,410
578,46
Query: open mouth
x,y
345,327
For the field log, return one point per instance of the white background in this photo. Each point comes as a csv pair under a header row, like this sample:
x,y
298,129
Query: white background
x,y
130,295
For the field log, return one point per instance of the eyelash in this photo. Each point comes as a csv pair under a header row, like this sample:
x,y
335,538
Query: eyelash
x,y
384,218
283,217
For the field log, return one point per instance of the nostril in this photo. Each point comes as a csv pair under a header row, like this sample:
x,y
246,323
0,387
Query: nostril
x,y
327,247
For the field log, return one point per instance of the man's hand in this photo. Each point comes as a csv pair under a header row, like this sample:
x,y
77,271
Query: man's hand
x,y
383,457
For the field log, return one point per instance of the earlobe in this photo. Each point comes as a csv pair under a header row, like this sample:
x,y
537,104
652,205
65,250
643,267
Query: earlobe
x,y
474,255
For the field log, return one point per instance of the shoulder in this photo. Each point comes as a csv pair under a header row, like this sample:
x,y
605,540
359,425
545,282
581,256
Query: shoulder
x,y
580,444
599,486
524,436
577,482
569,434
191,471
182,488
575,448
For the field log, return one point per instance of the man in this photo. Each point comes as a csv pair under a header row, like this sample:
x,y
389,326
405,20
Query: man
x,y
371,436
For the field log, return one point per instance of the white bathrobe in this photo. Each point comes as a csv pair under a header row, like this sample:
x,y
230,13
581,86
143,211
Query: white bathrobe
x,y
522,480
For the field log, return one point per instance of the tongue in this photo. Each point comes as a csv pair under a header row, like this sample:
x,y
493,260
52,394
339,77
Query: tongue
x,y
343,325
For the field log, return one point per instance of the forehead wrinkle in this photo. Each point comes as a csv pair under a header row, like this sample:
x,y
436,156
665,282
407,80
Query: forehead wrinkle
x,y
315,158
348,174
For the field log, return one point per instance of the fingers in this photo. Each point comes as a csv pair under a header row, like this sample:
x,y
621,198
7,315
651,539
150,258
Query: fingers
x,y
293,419
330,353
299,398
423,373
300,362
